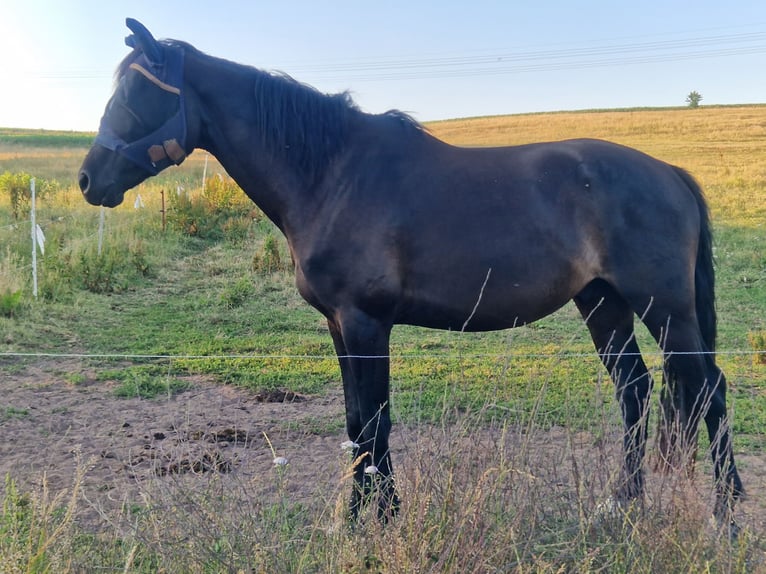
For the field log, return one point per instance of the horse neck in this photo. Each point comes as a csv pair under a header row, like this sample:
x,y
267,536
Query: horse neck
x,y
277,161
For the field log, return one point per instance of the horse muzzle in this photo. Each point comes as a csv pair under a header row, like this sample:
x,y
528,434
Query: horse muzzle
x,y
108,196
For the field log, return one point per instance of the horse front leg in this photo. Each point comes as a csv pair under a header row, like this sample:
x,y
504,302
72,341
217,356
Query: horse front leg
x,y
610,321
361,343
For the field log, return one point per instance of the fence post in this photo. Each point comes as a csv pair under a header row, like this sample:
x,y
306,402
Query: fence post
x,y
162,211
204,173
101,230
34,238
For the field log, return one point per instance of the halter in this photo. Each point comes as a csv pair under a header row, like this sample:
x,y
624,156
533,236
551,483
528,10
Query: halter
x,y
166,145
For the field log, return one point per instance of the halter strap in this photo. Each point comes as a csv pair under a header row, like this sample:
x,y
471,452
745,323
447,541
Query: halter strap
x,y
154,79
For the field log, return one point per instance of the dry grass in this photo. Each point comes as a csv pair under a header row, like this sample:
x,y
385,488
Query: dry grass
x,y
476,500
724,148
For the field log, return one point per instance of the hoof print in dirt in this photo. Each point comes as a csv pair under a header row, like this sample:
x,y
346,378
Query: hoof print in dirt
x,y
279,396
208,462
229,435
194,451
224,436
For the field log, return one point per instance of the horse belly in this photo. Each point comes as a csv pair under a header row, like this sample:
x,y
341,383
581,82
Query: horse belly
x,y
463,306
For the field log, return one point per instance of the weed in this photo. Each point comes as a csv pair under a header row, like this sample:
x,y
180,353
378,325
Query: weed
x,y
758,344
11,283
75,378
140,384
36,527
10,303
268,259
139,258
97,273
11,412
238,293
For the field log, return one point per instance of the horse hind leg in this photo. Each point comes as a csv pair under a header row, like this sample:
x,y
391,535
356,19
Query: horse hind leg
x,y
610,321
697,392
675,452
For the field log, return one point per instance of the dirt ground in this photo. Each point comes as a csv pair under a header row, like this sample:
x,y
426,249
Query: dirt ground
x,y
52,427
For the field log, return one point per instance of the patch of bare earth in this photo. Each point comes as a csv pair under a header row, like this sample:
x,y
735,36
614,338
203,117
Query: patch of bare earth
x,y
212,432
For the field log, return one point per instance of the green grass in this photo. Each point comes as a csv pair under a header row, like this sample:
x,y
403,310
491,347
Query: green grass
x,y
45,138
209,295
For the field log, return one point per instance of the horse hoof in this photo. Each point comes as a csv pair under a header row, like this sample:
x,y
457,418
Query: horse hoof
x,y
608,510
725,527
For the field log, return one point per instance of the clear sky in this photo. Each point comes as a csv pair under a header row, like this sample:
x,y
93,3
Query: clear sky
x,y
434,59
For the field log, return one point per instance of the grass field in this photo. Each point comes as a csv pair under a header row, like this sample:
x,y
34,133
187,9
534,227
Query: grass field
x,y
212,296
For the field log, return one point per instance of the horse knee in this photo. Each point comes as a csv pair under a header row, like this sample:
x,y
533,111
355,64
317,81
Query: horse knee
x,y
633,398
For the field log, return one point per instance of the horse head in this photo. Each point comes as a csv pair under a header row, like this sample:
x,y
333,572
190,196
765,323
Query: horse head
x,y
143,129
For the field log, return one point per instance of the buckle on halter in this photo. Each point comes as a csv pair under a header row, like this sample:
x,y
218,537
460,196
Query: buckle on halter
x,y
170,149
174,150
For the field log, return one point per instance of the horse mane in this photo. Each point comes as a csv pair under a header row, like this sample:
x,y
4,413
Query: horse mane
x,y
294,119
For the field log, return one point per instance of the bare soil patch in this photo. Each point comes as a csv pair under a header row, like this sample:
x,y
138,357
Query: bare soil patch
x,y
129,445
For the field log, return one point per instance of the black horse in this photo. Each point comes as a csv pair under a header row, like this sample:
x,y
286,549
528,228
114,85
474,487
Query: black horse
x,y
388,225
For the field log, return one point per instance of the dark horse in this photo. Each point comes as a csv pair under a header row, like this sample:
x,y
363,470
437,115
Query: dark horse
x,y
388,225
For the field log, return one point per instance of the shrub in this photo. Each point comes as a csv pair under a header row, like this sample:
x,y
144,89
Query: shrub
x,y
97,273
187,215
17,187
222,194
220,210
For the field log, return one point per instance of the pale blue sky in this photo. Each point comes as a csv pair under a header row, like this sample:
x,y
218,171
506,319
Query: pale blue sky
x,y
436,60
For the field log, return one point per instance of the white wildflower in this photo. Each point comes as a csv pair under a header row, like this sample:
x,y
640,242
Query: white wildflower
x,y
372,469
349,445
280,461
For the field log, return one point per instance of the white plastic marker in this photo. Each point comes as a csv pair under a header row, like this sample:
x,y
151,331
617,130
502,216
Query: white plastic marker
x,y
40,238
138,202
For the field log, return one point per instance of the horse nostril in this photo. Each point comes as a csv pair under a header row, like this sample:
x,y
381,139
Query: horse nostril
x,y
84,181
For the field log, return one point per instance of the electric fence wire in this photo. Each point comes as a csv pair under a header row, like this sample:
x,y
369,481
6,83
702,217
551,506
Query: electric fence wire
x,y
563,355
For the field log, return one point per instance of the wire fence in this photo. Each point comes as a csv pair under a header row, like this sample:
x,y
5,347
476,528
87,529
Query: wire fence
x,y
563,355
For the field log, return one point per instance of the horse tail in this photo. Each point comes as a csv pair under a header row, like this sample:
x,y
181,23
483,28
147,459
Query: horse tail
x,y
670,425
704,274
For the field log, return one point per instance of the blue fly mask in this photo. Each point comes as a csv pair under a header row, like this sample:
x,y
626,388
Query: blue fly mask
x,y
163,66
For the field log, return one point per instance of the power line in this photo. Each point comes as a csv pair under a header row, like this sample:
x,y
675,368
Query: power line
x,y
546,59
508,61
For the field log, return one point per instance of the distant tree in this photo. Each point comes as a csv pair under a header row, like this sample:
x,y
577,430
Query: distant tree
x,y
694,99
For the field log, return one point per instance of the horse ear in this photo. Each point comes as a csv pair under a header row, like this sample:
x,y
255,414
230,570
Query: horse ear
x,y
143,39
